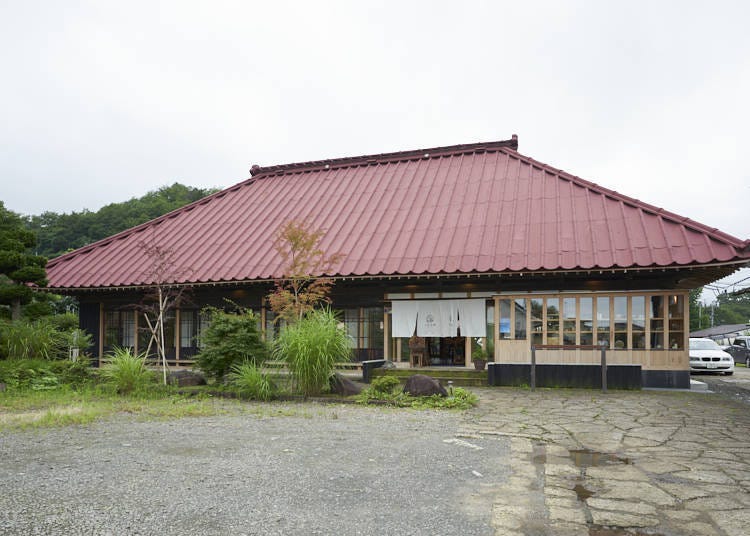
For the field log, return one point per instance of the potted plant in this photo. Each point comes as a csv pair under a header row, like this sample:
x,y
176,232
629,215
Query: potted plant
x,y
479,357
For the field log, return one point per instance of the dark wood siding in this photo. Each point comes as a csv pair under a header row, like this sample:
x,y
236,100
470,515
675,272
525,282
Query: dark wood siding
x,y
88,314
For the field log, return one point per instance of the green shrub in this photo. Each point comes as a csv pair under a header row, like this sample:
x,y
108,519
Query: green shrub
x,y
249,381
459,399
32,340
64,321
384,385
41,374
38,310
231,339
126,372
311,348
378,391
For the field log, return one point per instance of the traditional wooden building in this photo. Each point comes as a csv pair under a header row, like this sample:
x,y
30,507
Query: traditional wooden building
x,y
465,245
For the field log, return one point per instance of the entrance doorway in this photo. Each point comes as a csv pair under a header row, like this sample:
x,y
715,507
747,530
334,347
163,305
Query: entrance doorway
x,y
445,351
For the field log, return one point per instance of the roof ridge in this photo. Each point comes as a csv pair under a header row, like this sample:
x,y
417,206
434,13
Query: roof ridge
x,y
380,158
637,203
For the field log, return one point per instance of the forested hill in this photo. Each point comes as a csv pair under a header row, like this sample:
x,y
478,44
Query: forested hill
x,y
59,233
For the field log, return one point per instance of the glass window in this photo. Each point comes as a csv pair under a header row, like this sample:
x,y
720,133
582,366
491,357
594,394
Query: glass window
x,y
553,321
188,328
351,321
537,320
676,322
586,321
372,330
569,321
489,344
112,334
504,319
621,322
192,324
145,340
602,321
273,328
119,329
520,319
656,314
638,321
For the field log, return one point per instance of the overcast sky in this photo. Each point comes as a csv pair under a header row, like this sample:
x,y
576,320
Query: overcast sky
x,y
104,101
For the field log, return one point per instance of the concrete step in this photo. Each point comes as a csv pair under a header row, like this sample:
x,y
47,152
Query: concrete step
x,y
461,377
695,385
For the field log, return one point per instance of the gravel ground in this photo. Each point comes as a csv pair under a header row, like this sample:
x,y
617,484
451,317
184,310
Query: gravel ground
x,y
735,387
296,470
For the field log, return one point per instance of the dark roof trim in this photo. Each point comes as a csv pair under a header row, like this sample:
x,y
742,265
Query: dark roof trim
x,y
367,160
386,277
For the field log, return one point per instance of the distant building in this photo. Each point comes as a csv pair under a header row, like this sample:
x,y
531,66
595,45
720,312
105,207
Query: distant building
x,y
723,334
459,244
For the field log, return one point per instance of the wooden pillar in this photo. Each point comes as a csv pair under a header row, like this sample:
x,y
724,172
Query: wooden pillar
x,y
262,321
496,329
136,340
101,331
467,351
177,336
386,337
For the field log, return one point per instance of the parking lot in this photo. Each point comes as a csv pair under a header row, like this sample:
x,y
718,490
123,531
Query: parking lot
x,y
735,387
563,462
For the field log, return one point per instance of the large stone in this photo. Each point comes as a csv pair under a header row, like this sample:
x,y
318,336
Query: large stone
x,y
421,385
344,386
185,378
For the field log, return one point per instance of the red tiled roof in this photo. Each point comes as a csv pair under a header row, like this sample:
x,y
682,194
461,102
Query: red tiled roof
x,y
463,209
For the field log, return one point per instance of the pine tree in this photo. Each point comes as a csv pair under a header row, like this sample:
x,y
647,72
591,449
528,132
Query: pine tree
x,y
20,270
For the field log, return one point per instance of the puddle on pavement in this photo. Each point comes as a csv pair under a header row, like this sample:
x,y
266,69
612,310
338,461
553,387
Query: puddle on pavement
x,y
592,458
582,493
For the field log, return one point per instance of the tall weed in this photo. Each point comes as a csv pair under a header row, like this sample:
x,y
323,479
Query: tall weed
x,y
126,372
32,340
249,381
311,348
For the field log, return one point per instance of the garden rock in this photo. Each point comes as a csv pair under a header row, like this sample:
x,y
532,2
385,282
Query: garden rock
x,y
344,386
389,365
2,387
185,378
421,385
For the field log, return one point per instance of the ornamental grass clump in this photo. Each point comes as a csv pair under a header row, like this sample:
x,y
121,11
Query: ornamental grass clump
x,y
31,340
311,348
126,372
251,382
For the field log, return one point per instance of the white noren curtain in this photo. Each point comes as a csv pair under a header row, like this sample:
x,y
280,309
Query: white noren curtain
x,y
404,318
472,316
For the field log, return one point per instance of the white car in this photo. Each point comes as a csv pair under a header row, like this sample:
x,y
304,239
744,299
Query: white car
x,y
707,356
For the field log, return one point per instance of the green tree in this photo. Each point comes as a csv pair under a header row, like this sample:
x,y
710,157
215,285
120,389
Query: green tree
x,y
302,287
732,309
19,268
59,233
698,319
